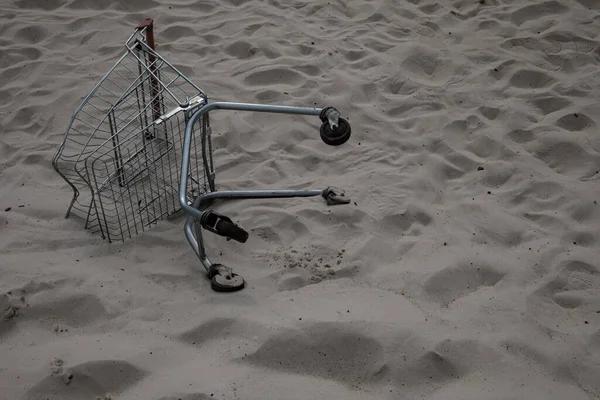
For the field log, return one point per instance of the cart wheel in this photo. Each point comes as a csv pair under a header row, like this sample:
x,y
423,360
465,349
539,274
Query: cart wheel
x,y
223,279
231,230
338,136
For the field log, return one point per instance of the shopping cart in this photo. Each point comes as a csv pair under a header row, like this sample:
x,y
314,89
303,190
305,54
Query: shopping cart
x,y
138,150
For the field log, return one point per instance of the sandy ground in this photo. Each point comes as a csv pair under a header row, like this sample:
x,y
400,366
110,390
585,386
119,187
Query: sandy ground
x,y
467,266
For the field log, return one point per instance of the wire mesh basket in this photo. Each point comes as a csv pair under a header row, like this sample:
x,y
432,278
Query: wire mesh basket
x,y
121,153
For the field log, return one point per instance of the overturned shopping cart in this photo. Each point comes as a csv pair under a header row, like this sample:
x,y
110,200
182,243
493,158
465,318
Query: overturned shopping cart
x,y
138,149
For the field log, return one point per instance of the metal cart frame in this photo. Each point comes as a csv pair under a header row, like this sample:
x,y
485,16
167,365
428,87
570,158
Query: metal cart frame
x,y
132,146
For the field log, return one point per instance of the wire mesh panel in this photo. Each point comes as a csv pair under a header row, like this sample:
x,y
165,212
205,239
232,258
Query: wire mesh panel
x,y
122,151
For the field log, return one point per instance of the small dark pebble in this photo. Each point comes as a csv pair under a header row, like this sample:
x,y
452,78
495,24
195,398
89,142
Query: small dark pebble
x,y
585,322
445,243
8,209
21,205
479,168
489,192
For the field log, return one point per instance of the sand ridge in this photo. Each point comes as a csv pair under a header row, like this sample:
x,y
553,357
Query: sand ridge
x,y
466,265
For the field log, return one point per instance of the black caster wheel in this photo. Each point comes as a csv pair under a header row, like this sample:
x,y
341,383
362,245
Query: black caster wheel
x,y
341,133
223,279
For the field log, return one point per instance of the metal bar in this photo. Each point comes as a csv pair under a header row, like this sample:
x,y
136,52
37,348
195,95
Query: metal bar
x,y
196,243
185,161
142,106
254,194
203,140
114,199
210,175
98,199
117,150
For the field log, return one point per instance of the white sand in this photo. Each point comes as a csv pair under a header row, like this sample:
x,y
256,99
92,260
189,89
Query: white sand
x,y
451,282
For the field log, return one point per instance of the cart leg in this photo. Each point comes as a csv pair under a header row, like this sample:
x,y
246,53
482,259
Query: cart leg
x,y
223,279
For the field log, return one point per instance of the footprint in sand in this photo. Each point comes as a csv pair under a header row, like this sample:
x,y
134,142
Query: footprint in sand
x,y
452,283
576,122
566,157
549,103
530,79
321,350
219,328
88,380
443,362
568,41
536,11
77,310
570,301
